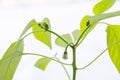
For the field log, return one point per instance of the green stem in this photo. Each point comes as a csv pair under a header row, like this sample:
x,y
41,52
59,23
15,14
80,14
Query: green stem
x,y
66,72
46,57
95,19
92,60
50,32
32,33
104,23
74,63
59,37
99,17
76,44
64,69
109,47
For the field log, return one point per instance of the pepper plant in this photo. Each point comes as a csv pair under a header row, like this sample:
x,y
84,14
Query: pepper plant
x,y
42,32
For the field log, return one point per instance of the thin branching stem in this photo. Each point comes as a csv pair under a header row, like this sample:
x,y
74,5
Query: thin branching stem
x,y
50,32
115,43
96,19
32,33
93,60
59,37
81,36
100,17
103,23
67,73
46,57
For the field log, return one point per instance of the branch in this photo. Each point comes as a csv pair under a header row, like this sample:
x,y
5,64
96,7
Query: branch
x,y
46,57
118,41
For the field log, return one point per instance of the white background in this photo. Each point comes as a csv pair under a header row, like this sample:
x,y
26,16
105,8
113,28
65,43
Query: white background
x,y
65,16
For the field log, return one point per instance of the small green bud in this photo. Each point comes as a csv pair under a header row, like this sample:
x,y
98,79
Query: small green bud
x,y
65,55
45,26
39,24
88,23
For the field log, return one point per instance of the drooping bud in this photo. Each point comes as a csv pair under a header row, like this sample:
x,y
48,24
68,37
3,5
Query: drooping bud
x,y
65,55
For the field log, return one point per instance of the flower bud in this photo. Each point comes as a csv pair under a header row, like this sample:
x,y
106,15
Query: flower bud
x,y
88,23
65,55
45,26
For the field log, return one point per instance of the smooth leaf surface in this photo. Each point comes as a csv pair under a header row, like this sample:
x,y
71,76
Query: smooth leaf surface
x,y
29,25
10,61
113,35
43,36
42,63
76,34
66,37
91,21
83,23
87,22
102,6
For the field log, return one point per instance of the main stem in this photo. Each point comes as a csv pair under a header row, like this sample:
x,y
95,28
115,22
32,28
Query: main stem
x,y
74,63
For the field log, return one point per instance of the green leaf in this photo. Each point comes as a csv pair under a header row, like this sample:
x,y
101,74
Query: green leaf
x,y
61,43
43,36
91,21
10,60
42,63
29,25
76,34
83,23
113,35
102,6
87,22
